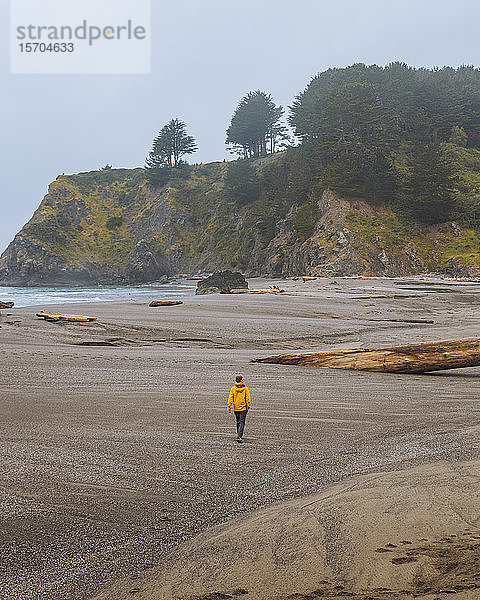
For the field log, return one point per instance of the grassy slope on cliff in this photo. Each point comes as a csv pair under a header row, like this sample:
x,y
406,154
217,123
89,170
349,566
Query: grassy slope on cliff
x,y
85,217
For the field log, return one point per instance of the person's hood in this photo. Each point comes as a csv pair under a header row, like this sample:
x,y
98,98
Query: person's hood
x,y
239,386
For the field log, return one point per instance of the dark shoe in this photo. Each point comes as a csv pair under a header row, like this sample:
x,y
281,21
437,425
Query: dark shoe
x,y
239,440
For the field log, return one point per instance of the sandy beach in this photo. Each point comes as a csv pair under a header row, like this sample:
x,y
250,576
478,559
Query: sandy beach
x,y
109,467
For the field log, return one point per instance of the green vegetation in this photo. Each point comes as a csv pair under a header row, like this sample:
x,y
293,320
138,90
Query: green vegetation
x,y
170,145
82,221
385,231
241,184
113,223
53,230
305,219
387,134
255,128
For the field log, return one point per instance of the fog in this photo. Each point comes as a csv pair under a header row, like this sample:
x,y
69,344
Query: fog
x,y
205,57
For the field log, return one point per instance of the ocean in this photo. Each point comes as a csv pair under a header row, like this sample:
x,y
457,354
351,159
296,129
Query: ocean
x,y
34,296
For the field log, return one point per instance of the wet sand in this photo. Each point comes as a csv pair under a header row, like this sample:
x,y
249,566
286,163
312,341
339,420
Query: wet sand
x,y
375,537
114,453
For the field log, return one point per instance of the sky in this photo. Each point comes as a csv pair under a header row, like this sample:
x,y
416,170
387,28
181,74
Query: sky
x,y
206,55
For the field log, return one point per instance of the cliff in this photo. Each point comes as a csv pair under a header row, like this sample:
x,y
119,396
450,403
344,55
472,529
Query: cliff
x,y
113,227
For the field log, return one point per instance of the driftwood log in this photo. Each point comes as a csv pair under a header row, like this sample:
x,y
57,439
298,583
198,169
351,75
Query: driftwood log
x,y
410,358
6,304
305,278
165,303
55,317
272,290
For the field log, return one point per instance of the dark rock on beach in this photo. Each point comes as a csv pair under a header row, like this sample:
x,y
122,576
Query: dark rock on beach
x,y
221,282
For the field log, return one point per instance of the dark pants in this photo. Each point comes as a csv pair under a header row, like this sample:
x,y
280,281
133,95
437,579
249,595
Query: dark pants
x,y
240,415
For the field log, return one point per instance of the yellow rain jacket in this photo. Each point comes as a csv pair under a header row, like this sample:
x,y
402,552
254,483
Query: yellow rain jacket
x,y
239,396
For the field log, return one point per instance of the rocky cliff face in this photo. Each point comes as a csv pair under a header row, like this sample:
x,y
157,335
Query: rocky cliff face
x,y
112,227
352,238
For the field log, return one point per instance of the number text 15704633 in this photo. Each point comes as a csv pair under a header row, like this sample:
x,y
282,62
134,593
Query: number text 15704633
x,y
42,47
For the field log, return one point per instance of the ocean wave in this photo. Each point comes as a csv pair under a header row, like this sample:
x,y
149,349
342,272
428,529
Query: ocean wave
x,y
40,296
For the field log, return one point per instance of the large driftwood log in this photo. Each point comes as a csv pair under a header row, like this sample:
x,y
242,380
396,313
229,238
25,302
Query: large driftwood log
x,y
165,303
271,290
410,358
6,304
55,317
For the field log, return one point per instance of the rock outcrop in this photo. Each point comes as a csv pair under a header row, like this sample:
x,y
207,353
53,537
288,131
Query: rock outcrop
x,y
221,283
26,262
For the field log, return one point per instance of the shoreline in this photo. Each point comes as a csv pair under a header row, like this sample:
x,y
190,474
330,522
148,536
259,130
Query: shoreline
x,y
258,282
112,456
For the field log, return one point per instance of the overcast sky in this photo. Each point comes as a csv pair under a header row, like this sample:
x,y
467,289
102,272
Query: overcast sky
x,y
206,55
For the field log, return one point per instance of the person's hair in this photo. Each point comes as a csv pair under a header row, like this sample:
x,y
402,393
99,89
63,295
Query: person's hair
x,y
238,378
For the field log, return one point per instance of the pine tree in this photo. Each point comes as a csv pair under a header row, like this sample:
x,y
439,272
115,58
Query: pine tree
x,y
428,188
241,183
170,145
354,137
256,128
